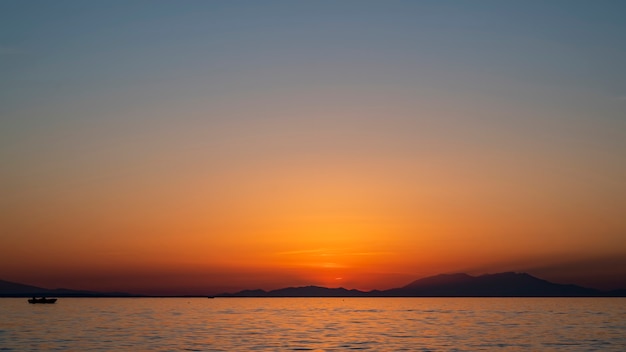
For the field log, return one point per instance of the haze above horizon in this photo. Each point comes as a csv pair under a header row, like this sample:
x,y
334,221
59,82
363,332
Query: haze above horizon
x,y
147,145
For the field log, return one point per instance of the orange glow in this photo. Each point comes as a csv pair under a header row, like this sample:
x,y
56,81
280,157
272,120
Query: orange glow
x,y
358,226
349,205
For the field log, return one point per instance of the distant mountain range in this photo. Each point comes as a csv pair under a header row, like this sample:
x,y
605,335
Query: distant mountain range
x,y
507,284
13,289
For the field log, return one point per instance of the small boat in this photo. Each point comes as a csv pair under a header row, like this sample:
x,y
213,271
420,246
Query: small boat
x,y
42,300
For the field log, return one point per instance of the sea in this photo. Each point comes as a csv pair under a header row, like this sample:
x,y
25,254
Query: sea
x,y
314,324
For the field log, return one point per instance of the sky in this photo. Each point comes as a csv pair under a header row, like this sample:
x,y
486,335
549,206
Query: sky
x,y
197,147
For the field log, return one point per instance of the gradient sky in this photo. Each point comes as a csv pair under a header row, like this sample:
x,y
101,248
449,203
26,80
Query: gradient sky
x,y
209,146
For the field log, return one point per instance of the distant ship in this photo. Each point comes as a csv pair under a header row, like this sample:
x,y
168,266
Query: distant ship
x,y
42,300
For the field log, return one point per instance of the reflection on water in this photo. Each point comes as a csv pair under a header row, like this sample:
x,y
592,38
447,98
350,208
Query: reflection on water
x,y
315,324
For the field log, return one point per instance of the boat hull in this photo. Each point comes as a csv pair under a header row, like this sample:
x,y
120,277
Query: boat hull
x,y
42,300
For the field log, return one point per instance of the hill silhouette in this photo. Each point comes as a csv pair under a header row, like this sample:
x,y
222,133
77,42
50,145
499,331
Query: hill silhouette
x,y
14,289
308,291
506,284
492,285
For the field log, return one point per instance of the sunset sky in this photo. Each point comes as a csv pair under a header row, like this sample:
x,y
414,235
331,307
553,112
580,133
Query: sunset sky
x,y
207,146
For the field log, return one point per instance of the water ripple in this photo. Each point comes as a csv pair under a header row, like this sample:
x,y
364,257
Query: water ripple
x,y
325,324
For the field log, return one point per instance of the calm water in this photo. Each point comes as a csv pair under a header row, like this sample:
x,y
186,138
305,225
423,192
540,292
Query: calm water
x,y
314,324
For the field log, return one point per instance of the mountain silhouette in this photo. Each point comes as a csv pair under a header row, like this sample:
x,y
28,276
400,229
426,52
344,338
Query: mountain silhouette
x,y
8,288
491,285
506,284
14,289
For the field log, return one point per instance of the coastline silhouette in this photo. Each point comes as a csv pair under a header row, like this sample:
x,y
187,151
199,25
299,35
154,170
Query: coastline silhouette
x,y
507,284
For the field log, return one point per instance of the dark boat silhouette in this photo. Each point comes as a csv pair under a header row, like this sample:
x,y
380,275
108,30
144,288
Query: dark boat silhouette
x,y
42,300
